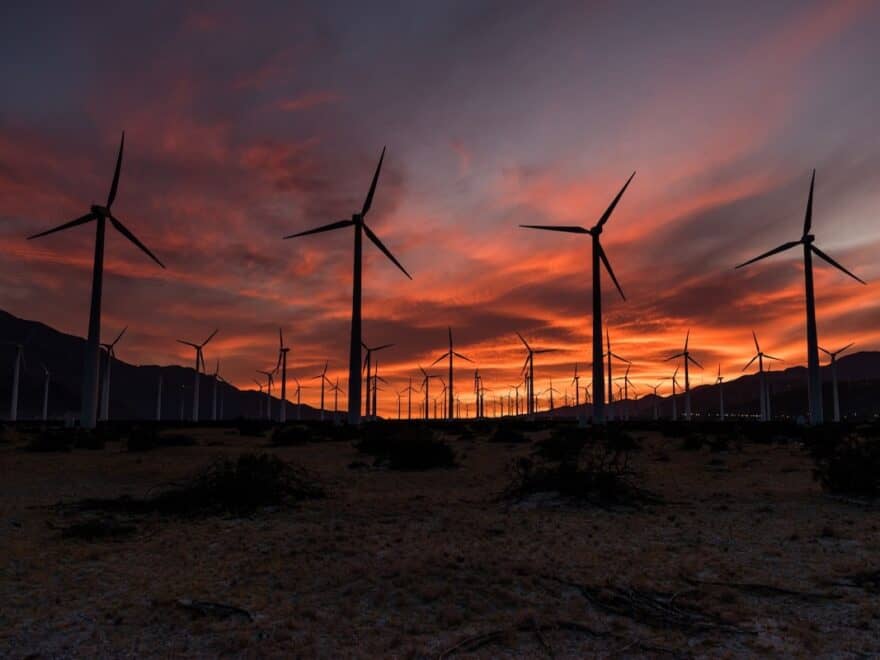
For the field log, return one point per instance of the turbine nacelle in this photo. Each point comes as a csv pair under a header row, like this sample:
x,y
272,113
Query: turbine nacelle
x,y
100,211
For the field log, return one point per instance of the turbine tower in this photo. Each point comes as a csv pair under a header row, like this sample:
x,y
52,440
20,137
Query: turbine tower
x,y
214,391
324,379
360,228
450,413
200,365
762,379
598,254
102,215
16,375
46,377
833,355
719,381
609,354
674,402
105,392
814,381
282,362
426,378
687,382
159,399
270,380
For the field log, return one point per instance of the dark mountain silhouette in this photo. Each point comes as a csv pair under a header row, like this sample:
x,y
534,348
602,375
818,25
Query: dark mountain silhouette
x,y
858,378
133,388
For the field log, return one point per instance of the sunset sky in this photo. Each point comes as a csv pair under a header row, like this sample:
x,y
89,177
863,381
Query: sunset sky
x,y
245,123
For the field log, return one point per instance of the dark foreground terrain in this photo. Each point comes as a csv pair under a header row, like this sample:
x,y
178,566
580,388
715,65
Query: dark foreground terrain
x,y
724,550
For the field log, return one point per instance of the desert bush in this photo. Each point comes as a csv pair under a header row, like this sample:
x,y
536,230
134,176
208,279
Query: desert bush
x,y
406,448
589,466
290,435
239,487
847,465
55,440
253,427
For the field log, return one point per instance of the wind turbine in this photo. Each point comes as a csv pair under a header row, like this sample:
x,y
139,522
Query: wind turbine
x,y
324,379
576,381
259,401
529,370
609,354
762,379
656,407
719,381
297,393
270,380
598,254
424,386
515,388
833,355
105,393
409,392
16,374
159,399
200,365
102,215
376,379
46,377
282,362
687,383
360,228
806,240
551,390
450,390
336,390
626,385
367,362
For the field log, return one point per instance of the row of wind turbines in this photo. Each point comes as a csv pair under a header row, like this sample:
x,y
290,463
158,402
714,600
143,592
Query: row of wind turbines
x,y
103,214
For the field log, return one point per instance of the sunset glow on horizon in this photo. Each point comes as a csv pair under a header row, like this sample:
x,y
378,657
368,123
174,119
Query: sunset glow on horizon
x,y
243,127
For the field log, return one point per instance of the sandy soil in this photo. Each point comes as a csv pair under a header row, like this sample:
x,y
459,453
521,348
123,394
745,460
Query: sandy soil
x,y
744,557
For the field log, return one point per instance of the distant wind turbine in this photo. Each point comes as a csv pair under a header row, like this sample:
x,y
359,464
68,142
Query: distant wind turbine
x,y
687,383
833,355
425,388
367,362
200,366
159,398
336,390
105,393
609,354
270,380
323,377
360,228
762,379
450,389
529,370
101,214
409,392
216,383
719,381
806,240
656,407
674,402
46,378
598,254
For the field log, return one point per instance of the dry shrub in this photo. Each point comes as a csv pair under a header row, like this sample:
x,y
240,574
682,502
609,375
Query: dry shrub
x,y
239,487
847,462
145,438
56,440
406,447
507,434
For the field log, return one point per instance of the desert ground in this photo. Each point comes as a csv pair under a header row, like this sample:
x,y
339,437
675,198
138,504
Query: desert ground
x,y
737,553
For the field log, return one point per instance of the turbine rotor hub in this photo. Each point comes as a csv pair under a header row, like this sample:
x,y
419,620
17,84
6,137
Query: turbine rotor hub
x,y
102,211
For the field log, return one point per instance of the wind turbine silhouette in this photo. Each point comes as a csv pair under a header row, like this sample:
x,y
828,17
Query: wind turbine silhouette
x,y
674,402
367,362
270,380
762,379
282,362
324,379
105,393
409,392
576,381
360,227
200,365
425,387
515,388
626,385
376,379
807,241
297,393
833,355
216,383
450,390
529,371
656,408
609,354
687,383
259,401
719,381
336,390
102,215
598,255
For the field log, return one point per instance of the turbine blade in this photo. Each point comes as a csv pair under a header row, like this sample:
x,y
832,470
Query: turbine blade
x,y
67,225
686,339
755,337
828,353
677,355
210,337
695,362
318,230
459,355
379,348
119,336
613,204
440,359
378,244
368,202
122,229
566,228
546,350
770,357
835,264
280,339
115,183
848,346
750,363
188,343
808,215
781,248
608,268
525,343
